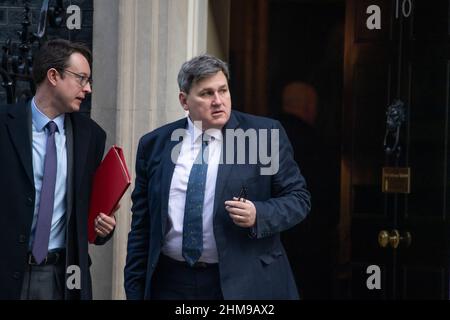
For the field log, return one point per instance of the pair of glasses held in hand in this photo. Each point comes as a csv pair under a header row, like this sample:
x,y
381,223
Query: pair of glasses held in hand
x,y
242,194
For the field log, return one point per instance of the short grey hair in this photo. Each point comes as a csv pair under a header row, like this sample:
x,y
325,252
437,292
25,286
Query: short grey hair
x,y
199,68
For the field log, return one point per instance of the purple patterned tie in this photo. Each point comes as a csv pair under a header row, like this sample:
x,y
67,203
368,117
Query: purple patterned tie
x,y
45,212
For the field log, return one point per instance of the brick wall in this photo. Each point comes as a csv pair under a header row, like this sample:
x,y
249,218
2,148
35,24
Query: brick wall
x,y
11,17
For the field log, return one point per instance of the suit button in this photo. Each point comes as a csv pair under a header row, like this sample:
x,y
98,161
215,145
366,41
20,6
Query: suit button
x,y
16,275
22,238
29,201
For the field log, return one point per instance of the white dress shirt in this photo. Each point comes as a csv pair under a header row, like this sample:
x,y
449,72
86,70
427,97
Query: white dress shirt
x,y
39,135
191,145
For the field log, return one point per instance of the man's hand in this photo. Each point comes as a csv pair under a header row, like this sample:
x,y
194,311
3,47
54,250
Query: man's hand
x,y
104,224
243,212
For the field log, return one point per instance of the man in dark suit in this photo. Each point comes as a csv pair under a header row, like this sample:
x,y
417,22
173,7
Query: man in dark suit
x,y
207,215
48,155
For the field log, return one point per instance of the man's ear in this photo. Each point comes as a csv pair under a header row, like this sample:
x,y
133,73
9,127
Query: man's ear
x,y
52,76
182,96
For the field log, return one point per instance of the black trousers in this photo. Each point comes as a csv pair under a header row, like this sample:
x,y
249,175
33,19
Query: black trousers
x,y
44,282
174,280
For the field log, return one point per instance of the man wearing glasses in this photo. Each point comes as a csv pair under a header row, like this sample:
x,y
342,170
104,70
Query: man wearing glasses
x,y
48,155
82,79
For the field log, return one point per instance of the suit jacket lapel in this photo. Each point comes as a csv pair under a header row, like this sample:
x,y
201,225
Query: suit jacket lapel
x,y
167,169
224,170
70,243
81,137
19,127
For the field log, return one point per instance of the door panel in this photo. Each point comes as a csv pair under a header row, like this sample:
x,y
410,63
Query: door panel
x,y
424,283
428,107
408,59
429,20
425,86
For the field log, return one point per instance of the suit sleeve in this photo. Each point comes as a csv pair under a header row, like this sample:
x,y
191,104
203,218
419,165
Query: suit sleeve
x,y
138,237
290,200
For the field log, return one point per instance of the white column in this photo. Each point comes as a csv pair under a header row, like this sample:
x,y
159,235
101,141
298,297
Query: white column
x,y
104,106
139,46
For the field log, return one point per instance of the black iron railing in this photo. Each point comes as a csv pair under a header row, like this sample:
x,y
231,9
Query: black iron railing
x,y
17,58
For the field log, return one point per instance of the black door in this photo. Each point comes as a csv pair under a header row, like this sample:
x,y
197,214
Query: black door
x,y
405,61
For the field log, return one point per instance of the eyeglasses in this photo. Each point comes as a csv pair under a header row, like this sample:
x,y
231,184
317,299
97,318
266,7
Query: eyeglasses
x,y
82,80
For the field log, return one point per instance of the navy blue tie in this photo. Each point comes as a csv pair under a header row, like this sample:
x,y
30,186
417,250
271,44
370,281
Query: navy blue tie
x,y
193,210
45,212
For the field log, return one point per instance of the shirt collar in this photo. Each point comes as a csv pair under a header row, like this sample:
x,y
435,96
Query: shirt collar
x,y
40,120
195,132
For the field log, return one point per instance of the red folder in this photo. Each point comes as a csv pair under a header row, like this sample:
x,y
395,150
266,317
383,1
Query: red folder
x,y
111,180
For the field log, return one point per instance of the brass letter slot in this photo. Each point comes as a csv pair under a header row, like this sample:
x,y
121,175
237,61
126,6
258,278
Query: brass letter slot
x,y
396,180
